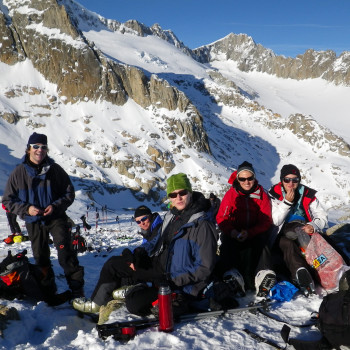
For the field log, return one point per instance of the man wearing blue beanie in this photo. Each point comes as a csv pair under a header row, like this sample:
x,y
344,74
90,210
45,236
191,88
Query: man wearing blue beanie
x,y
40,191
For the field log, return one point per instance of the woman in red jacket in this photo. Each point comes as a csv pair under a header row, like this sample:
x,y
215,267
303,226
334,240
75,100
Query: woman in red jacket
x,y
244,218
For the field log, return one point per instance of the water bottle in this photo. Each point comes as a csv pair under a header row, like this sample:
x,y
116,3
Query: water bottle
x,y
303,239
166,320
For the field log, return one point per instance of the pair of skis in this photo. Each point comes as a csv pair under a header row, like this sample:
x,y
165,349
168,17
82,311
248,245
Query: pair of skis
x,y
126,330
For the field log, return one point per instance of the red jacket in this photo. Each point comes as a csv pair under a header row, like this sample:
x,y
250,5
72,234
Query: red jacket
x,y
245,212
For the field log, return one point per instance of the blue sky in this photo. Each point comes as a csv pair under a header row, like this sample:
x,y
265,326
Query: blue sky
x,y
287,27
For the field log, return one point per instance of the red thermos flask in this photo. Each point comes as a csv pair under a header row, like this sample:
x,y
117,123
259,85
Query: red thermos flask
x,y
166,320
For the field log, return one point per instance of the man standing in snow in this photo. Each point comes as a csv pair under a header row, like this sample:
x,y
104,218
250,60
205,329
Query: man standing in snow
x,y
40,191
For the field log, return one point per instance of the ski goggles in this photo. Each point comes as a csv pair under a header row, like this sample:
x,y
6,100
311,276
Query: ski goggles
x,y
43,147
180,193
141,220
294,180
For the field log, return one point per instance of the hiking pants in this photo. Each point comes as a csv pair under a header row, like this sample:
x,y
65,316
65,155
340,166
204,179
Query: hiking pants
x,y
292,256
249,257
12,219
38,233
115,273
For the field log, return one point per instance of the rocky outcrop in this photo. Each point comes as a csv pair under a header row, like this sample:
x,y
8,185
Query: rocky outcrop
x,y
250,56
7,314
315,135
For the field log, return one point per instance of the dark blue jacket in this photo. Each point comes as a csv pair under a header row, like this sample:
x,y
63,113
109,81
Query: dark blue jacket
x,y
192,252
26,187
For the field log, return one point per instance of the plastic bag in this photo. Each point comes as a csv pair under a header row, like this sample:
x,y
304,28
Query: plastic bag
x,y
326,260
283,291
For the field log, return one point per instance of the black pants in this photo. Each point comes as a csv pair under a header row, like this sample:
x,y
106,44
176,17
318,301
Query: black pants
x,y
12,219
292,256
116,273
249,257
39,236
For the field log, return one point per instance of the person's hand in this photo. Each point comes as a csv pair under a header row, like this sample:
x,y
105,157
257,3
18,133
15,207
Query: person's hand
x,y
48,210
132,266
34,211
290,194
308,229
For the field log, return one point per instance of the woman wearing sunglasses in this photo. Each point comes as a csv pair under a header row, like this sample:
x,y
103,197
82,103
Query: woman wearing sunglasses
x,y
295,205
244,218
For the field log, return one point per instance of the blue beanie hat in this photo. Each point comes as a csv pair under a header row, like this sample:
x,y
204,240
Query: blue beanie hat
x,y
37,138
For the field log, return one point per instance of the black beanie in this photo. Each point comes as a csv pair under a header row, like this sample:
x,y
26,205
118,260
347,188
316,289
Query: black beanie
x,y
245,166
37,138
142,210
289,169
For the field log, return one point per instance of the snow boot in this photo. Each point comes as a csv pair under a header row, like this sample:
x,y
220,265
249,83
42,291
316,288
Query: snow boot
x,y
119,294
305,282
9,239
264,281
106,310
85,305
235,281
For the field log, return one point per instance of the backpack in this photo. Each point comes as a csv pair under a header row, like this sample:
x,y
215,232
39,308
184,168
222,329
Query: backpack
x,y
78,242
333,322
19,278
334,318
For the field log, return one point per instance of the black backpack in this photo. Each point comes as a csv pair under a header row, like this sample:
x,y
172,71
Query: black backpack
x,y
334,318
19,278
333,322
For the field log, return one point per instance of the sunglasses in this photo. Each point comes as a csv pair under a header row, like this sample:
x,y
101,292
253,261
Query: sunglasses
x,y
43,147
180,193
244,179
294,180
141,220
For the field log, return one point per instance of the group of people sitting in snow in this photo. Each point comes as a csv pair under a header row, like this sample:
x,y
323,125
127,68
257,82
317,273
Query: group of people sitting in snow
x,y
181,249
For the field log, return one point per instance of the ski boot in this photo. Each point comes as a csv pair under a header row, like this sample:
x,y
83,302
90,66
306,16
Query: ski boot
x,y
235,280
264,281
305,281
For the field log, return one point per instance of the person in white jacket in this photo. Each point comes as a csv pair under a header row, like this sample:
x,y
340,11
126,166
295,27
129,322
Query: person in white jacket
x,y
294,206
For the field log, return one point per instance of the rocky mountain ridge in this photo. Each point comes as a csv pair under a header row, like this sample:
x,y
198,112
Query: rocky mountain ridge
x,y
254,57
179,125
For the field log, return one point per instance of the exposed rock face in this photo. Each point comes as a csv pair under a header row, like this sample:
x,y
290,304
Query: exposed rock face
x,y
7,314
251,56
47,34
307,129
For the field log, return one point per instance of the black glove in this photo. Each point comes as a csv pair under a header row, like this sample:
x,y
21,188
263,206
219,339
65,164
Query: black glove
x,y
141,259
127,255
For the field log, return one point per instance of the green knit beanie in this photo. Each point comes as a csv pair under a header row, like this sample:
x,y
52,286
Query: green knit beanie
x,y
178,182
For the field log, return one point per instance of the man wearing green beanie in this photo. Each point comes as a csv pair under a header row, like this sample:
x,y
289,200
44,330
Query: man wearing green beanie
x,y
178,181
183,253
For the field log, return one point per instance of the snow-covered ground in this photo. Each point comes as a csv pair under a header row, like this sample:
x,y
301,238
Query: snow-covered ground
x,y
44,327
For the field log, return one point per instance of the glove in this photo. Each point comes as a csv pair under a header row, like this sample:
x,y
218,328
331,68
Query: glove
x,y
141,259
127,255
